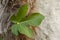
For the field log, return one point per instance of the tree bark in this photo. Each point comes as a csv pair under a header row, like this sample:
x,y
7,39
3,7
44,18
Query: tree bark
x,y
49,28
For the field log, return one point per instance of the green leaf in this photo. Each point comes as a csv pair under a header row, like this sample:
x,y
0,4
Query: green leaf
x,y
14,29
1,38
22,11
23,29
26,30
34,19
13,19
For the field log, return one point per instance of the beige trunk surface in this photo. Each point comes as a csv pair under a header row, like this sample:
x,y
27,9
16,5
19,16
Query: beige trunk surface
x,y
50,27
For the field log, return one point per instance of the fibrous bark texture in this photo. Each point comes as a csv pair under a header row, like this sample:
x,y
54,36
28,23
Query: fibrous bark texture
x,y
49,28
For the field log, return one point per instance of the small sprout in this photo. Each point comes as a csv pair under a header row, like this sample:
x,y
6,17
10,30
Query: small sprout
x,y
21,22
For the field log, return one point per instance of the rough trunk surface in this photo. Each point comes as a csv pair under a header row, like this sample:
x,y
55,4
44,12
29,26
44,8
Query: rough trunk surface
x,y
49,28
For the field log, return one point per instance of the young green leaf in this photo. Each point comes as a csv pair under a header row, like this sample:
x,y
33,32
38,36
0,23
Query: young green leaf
x,y
14,29
13,19
22,28
34,19
22,11
26,30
